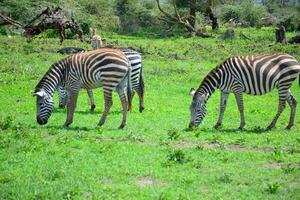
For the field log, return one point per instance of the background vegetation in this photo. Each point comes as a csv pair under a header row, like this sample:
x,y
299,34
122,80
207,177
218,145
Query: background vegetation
x,y
156,156
137,16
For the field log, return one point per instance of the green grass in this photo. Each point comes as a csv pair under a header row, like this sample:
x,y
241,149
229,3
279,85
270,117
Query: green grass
x,y
155,156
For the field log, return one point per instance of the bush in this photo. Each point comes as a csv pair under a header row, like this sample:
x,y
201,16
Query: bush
x,y
248,13
291,22
134,15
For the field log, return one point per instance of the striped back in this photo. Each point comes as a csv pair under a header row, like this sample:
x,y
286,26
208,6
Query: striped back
x,y
135,60
136,79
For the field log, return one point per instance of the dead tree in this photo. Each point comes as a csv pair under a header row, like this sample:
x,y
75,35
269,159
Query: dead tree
x,y
188,22
280,35
50,18
210,15
192,16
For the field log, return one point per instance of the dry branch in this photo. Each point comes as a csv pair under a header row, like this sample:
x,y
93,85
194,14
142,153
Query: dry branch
x,y
177,19
49,18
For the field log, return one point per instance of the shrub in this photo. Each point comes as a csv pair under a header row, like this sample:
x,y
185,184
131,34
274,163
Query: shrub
x,y
272,188
6,122
177,156
291,22
247,13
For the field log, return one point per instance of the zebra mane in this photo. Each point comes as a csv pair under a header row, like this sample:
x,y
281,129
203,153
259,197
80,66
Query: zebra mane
x,y
207,86
55,75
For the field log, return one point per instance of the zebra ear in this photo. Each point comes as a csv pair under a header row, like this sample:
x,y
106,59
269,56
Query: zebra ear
x,y
204,97
192,91
39,93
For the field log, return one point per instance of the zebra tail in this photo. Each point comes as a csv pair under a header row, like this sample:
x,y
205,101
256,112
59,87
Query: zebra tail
x,y
141,81
129,89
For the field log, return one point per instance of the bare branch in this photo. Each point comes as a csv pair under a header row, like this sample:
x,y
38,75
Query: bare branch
x,y
49,18
177,19
8,20
165,13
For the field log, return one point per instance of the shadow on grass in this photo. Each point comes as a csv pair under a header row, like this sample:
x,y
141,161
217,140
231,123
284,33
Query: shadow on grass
x,y
61,127
256,130
88,112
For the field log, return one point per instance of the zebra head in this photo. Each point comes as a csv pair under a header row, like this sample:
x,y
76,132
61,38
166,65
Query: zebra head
x,y
44,106
197,108
62,93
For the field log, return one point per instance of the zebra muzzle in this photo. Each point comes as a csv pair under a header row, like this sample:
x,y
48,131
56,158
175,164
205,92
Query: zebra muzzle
x,y
41,121
191,125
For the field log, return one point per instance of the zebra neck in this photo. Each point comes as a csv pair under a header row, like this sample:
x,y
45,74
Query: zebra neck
x,y
206,91
53,77
210,83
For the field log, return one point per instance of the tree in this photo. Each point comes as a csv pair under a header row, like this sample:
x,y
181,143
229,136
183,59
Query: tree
x,y
188,22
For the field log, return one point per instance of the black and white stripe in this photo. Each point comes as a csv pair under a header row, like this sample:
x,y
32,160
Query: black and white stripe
x,y
255,75
137,80
107,68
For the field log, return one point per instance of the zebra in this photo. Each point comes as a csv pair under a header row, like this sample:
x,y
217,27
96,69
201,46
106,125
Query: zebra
x,y
254,75
137,81
107,68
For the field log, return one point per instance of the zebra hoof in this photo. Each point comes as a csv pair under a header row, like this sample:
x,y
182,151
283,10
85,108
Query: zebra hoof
x,y
122,126
217,126
141,109
92,108
241,128
288,127
269,128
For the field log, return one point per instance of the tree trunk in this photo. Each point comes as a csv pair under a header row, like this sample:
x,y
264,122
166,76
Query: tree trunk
x,y
209,13
192,17
280,35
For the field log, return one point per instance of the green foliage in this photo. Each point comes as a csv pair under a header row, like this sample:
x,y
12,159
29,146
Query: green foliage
x,y
173,134
291,22
247,13
6,122
288,168
277,154
176,156
225,178
272,188
136,14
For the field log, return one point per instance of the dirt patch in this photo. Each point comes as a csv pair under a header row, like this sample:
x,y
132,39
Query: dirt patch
x,y
273,165
294,184
235,147
183,145
231,147
147,182
205,145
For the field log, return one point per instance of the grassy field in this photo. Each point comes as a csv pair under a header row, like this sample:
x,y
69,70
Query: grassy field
x,y
155,156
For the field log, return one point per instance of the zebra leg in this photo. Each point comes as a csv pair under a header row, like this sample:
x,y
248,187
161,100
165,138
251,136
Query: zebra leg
x,y
124,107
141,99
223,103
71,105
133,93
281,107
293,104
283,91
107,103
91,97
240,103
